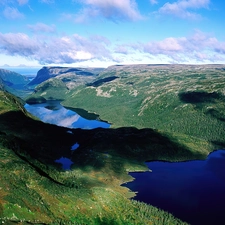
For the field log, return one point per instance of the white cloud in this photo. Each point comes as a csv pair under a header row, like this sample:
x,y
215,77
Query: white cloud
x,y
22,2
41,27
96,50
115,10
153,2
18,44
198,47
121,49
220,48
12,13
46,50
168,45
184,8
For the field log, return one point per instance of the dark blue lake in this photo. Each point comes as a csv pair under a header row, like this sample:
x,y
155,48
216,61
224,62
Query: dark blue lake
x,y
193,191
54,113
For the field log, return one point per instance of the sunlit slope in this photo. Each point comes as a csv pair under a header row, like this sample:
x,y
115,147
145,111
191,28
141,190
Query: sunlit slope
x,y
180,99
34,189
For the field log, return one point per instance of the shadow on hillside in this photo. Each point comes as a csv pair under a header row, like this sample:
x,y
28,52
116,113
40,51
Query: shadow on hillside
x,y
102,81
41,144
195,97
201,99
212,104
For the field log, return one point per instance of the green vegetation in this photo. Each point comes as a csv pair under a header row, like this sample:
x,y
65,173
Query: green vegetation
x,y
14,83
34,189
180,100
157,112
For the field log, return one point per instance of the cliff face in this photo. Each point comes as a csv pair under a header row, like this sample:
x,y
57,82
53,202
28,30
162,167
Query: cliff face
x,y
42,75
49,72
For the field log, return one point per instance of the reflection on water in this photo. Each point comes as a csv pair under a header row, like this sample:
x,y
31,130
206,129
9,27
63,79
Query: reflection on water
x,y
66,163
194,191
54,113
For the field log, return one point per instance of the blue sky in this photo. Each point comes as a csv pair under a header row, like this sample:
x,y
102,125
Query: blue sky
x,y
106,32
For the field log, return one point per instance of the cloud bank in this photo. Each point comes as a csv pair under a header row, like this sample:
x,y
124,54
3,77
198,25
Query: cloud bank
x,y
198,47
47,50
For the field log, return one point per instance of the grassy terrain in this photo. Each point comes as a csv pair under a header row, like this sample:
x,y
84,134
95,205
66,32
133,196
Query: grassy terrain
x,y
35,189
184,101
157,112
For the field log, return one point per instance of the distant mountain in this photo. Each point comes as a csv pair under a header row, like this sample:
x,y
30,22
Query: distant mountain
x,y
13,79
54,82
14,83
50,72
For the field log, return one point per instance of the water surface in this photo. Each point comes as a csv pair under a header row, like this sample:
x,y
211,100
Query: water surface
x,y
54,113
66,162
193,191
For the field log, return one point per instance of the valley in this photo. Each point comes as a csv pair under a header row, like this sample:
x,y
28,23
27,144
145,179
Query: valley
x,y
156,112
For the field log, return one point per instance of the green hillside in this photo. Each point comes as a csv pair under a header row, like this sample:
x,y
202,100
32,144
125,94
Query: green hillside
x,y
157,112
184,101
15,83
34,189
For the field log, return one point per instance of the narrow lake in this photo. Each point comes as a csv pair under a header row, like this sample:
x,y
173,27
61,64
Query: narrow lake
x,y
54,113
193,191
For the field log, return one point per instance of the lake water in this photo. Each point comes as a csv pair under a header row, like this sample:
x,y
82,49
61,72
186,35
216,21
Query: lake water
x,y
66,163
54,113
193,191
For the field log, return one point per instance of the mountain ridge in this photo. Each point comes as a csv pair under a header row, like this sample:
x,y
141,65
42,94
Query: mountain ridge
x,y
46,73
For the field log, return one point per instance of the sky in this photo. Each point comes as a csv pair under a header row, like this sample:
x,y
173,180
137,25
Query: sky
x,y
100,33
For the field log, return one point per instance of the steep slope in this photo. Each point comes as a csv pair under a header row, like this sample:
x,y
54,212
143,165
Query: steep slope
x,y
13,79
35,189
14,82
54,82
54,89
66,73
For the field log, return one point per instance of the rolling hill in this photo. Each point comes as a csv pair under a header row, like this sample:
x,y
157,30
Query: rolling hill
x,y
184,101
35,189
